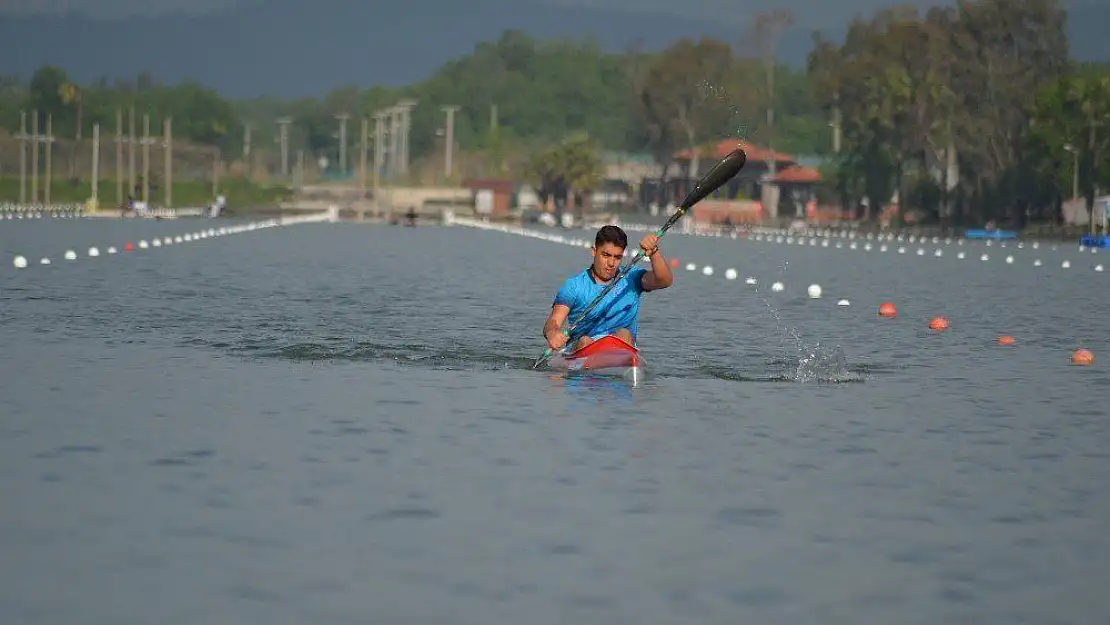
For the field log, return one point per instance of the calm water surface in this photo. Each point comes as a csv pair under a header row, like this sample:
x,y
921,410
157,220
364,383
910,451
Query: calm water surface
x,y
339,424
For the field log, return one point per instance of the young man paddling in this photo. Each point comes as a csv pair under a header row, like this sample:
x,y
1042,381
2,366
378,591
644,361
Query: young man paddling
x,y
617,314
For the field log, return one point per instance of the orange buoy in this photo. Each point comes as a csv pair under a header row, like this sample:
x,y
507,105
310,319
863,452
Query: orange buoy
x,y
887,309
1005,339
939,322
673,263
1082,357
129,247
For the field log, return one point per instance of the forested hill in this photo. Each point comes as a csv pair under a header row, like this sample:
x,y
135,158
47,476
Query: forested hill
x,y
283,48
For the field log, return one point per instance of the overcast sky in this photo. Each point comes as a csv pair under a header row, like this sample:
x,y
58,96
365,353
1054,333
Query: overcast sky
x,y
809,12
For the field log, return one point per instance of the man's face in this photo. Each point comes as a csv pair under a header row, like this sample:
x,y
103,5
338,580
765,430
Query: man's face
x,y
607,260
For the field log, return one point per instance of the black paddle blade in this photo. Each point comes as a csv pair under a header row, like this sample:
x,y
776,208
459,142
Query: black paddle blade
x,y
721,173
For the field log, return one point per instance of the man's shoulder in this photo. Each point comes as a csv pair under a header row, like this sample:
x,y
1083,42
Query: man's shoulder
x,y
578,279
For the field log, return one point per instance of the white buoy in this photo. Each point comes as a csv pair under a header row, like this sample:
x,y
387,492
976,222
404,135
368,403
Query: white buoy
x,y
1009,260
776,287
730,274
882,248
70,255
901,250
751,281
691,267
143,244
111,249
177,239
843,302
938,253
156,243
920,252
984,258
19,262
1098,268
1065,264
814,291
825,243
961,255
1036,245
707,270
44,261
93,252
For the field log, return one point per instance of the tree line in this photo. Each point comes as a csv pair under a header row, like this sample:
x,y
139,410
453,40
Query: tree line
x,y
967,113
972,112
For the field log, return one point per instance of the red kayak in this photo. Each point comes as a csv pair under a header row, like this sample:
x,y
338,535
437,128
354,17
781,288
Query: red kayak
x,y
609,356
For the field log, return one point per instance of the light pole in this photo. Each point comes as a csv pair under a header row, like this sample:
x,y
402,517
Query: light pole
x,y
448,165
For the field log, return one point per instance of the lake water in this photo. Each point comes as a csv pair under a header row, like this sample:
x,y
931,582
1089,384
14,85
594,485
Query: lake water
x,y
338,423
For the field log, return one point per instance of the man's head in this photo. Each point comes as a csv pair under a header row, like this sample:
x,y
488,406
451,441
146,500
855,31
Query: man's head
x,y
608,251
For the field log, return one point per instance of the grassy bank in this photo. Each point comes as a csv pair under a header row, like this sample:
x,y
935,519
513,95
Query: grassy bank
x,y
240,193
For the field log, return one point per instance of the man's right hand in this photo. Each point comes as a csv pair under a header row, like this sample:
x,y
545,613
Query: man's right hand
x,y
556,339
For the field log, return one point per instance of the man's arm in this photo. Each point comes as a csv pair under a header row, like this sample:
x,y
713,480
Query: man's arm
x,y
660,276
555,320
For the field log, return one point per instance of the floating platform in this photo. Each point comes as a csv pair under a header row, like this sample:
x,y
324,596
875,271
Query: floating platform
x,y
991,234
1098,240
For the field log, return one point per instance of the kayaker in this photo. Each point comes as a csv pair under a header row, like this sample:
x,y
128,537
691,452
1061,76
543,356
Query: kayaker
x,y
617,314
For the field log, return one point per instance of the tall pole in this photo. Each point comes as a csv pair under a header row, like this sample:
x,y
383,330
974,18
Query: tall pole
x,y
146,159
379,151
448,165
769,27
247,147
364,145
343,117
47,179
131,152
394,142
283,138
96,166
35,157
215,172
167,132
119,157
23,157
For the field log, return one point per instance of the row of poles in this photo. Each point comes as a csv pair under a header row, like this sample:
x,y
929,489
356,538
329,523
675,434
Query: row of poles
x,y
35,139
391,139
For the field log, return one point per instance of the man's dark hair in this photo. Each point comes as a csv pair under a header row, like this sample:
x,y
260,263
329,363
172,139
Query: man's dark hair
x,y
611,234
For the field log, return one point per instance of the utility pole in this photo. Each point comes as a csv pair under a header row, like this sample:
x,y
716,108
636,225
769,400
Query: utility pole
x,y
23,157
119,156
96,166
215,172
394,142
35,157
769,27
343,117
379,151
131,152
49,139
448,165
364,145
406,125
167,132
283,137
146,159
247,148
